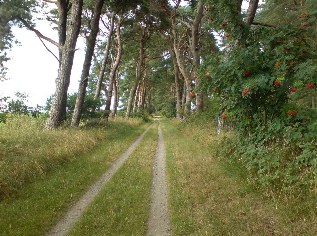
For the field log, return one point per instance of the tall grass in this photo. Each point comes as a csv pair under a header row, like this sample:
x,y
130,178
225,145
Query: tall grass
x,y
42,202
211,196
28,151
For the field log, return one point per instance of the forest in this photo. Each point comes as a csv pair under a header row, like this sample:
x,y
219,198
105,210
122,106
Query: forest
x,y
237,78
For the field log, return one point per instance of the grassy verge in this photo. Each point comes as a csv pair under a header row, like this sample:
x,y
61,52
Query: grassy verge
x,y
28,151
123,205
211,197
40,204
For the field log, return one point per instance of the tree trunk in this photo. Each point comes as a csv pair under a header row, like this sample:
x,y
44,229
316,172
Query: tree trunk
x,y
105,59
178,94
115,95
58,107
138,72
195,53
253,5
182,68
114,69
136,99
90,45
142,92
62,6
184,95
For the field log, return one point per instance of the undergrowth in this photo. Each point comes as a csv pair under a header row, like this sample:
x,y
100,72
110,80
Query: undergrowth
x,y
213,192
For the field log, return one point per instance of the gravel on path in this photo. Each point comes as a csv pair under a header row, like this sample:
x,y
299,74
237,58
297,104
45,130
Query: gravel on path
x,y
159,224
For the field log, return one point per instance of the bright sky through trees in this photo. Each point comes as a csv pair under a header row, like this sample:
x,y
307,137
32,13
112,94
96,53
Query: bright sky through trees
x,y
32,69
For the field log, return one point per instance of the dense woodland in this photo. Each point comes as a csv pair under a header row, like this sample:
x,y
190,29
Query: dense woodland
x,y
250,66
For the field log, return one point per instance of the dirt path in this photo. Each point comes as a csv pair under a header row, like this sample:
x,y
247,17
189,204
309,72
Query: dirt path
x,y
159,224
73,214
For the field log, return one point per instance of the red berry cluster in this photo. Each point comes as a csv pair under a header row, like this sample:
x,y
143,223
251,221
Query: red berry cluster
x,y
277,83
245,91
293,90
292,113
223,116
246,73
310,86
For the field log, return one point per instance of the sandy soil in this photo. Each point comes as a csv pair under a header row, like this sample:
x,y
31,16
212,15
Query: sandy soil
x,y
74,213
159,224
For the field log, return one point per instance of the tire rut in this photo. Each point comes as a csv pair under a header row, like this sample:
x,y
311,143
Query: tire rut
x,y
159,223
77,210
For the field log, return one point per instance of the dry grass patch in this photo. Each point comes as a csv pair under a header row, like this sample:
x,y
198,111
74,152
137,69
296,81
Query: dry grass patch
x,y
209,197
28,151
41,203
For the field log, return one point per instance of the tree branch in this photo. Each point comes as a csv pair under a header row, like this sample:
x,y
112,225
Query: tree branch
x,y
48,49
38,33
50,1
262,24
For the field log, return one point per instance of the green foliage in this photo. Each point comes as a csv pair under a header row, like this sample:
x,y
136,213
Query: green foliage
x,y
143,114
90,104
266,81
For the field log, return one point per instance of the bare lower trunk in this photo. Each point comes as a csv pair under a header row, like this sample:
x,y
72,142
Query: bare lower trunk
x,y
114,69
58,107
138,73
105,59
195,49
90,45
178,92
184,95
116,96
142,92
182,68
136,100
131,98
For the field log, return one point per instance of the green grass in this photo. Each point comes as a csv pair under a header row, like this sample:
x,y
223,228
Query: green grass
x,y
209,196
123,205
37,206
28,151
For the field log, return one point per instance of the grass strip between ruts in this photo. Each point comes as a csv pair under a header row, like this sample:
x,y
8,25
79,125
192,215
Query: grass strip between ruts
x,y
122,207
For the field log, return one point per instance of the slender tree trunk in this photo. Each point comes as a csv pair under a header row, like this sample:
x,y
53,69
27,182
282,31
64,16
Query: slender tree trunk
x,y
196,53
253,6
148,102
131,98
136,99
181,66
138,72
115,95
105,59
114,69
142,92
184,95
90,45
58,107
178,94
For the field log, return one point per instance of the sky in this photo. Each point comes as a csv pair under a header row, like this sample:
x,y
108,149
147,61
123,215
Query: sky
x,y
32,69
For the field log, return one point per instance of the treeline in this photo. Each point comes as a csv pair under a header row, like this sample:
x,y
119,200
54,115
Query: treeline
x,y
252,62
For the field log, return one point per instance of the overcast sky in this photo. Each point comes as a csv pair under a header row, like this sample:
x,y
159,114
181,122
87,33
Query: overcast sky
x,y
32,69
